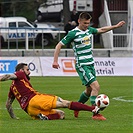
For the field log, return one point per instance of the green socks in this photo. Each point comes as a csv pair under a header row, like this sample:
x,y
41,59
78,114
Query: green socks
x,y
83,98
92,99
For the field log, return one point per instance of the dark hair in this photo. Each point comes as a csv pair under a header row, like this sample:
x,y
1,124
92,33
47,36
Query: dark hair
x,y
20,66
85,15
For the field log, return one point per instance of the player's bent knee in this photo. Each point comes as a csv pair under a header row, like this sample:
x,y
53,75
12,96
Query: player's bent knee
x,y
66,103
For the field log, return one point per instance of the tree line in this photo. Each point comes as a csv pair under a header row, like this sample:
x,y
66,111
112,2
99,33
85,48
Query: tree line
x,y
27,8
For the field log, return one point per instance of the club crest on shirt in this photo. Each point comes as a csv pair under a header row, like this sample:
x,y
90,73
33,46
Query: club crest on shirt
x,y
85,40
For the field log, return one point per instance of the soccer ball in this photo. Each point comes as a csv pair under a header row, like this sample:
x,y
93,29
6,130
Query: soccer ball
x,y
102,101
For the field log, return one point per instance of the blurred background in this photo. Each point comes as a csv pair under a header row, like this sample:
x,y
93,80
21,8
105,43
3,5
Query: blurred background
x,y
56,15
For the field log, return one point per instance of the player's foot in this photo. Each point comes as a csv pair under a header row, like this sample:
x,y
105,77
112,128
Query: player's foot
x,y
42,117
98,117
96,110
76,113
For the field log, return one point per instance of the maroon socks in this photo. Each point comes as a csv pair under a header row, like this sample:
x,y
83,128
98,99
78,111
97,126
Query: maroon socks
x,y
79,106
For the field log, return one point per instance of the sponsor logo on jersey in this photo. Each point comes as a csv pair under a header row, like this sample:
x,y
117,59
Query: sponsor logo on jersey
x,y
86,40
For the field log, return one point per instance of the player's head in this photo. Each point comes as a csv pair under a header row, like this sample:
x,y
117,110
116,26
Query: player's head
x,y
23,67
85,15
84,20
20,66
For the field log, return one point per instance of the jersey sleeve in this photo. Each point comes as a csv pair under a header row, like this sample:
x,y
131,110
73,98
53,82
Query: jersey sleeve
x,y
93,30
68,38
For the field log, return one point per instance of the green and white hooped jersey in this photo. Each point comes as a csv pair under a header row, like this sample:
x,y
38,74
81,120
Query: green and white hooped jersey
x,y
81,42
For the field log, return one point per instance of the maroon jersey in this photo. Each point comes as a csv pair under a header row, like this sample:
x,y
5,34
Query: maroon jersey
x,y
22,90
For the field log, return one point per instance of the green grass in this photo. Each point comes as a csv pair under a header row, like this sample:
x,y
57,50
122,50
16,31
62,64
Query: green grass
x,y
119,114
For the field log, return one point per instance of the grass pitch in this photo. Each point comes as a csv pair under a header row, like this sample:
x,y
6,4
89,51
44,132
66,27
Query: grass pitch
x,y
119,113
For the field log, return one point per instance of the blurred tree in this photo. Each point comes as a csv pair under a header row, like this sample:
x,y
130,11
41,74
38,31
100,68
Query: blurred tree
x,y
0,9
28,8
66,11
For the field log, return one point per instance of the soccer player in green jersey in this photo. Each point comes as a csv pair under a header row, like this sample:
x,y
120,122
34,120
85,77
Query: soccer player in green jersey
x,y
80,37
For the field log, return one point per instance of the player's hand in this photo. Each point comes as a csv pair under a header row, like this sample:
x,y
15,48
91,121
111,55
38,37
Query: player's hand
x,y
120,24
55,65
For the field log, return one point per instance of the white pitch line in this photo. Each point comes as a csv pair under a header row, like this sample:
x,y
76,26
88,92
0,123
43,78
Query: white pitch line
x,y
121,98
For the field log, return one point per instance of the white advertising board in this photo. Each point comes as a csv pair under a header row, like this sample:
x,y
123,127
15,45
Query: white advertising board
x,y
42,66
67,66
7,64
103,66
132,34
114,66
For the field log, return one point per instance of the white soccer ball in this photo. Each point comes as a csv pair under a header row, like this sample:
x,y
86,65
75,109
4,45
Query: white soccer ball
x,y
102,101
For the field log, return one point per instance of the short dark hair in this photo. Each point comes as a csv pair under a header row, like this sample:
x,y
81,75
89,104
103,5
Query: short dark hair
x,y
85,15
20,66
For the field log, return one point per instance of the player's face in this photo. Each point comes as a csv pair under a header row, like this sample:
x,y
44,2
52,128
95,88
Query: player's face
x,y
26,70
83,24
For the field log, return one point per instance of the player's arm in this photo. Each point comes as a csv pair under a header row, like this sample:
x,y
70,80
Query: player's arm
x,y
8,77
108,28
56,54
9,107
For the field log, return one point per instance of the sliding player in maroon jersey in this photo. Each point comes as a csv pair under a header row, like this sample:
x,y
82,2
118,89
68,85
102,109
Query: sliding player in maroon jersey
x,y
37,105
